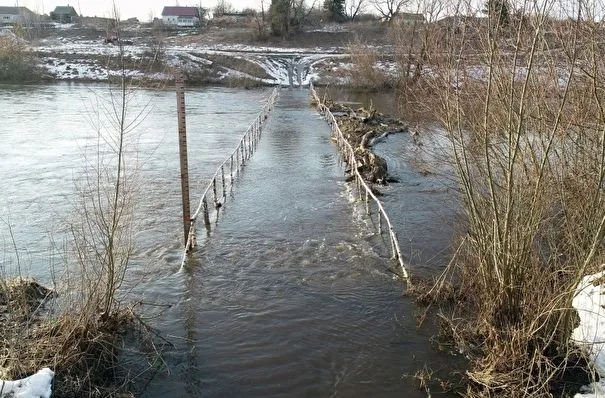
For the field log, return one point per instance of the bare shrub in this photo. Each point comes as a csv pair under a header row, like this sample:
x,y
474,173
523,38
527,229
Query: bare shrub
x,y
80,338
16,63
365,72
528,134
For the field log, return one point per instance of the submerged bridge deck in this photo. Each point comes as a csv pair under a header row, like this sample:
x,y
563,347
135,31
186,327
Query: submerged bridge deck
x,y
286,295
283,185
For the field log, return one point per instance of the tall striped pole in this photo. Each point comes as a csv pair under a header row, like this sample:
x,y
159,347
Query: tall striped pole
x,y
182,128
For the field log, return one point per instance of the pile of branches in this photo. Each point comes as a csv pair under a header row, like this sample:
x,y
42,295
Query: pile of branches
x,y
362,128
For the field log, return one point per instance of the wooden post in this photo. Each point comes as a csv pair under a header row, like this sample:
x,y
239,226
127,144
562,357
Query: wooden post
x,y
231,170
182,129
223,181
206,215
214,190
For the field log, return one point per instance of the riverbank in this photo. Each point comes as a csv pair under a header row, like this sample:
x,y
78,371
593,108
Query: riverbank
x,y
151,56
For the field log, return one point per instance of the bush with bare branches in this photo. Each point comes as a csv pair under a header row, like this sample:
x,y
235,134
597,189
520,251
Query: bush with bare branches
x,y
79,338
16,64
525,113
365,72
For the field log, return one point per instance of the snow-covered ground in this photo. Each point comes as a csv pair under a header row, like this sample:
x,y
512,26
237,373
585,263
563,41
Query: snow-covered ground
x,y
65,58
590,334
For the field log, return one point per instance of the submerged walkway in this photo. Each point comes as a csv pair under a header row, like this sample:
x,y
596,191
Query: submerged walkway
x,y
286,297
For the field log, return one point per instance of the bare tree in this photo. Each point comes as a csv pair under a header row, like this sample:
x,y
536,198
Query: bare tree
x,y
223,7
388,9
261,21
527,130
354,7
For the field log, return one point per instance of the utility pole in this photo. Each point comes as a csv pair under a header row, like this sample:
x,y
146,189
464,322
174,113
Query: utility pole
x,y
182,128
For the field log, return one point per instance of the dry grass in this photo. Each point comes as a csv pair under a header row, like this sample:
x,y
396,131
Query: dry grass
x,y
82,349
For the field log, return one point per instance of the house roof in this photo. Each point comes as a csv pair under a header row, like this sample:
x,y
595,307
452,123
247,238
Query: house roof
x,y
14,11
65,10
180,12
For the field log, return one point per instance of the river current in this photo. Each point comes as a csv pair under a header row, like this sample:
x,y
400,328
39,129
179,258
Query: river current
x,y
291,294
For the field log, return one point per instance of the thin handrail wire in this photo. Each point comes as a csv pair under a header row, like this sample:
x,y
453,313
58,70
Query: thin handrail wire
x,y
250,138
361,183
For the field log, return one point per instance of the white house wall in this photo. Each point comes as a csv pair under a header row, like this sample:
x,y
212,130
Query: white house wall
x,y
8,18
180,21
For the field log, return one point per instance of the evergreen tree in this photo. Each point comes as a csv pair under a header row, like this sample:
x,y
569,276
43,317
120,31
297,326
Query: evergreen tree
x,y
335,9
499,11
280,17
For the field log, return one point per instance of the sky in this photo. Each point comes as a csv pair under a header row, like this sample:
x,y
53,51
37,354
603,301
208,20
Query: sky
x,y
141,9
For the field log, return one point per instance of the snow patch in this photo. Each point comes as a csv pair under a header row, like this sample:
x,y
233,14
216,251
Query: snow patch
x,y
38,385
590,334
331,28
7,34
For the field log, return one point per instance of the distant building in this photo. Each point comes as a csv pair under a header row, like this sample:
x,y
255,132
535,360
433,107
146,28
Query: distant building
x,y
64,14
181,16
13,15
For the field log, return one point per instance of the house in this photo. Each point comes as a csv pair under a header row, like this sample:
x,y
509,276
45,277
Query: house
x,y
13,15
408,19
185,17
64,14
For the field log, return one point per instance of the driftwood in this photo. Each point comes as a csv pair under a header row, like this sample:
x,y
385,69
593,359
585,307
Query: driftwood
x,y
372,167
362,128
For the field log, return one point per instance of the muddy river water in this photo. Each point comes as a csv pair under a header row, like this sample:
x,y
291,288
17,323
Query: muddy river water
x,y
291,294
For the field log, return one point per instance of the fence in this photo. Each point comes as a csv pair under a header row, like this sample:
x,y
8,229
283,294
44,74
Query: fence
x,y
217,188
365,192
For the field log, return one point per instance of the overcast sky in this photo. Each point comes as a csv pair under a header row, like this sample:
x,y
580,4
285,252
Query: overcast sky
x,y
141,9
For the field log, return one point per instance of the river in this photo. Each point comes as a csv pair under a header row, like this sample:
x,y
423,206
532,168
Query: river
x,y
290,295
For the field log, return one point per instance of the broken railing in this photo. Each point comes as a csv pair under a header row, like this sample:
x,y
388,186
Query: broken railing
x,y
222,180
365,192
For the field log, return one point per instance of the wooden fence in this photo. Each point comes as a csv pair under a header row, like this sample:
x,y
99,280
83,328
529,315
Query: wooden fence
x,y
222,180
364,191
